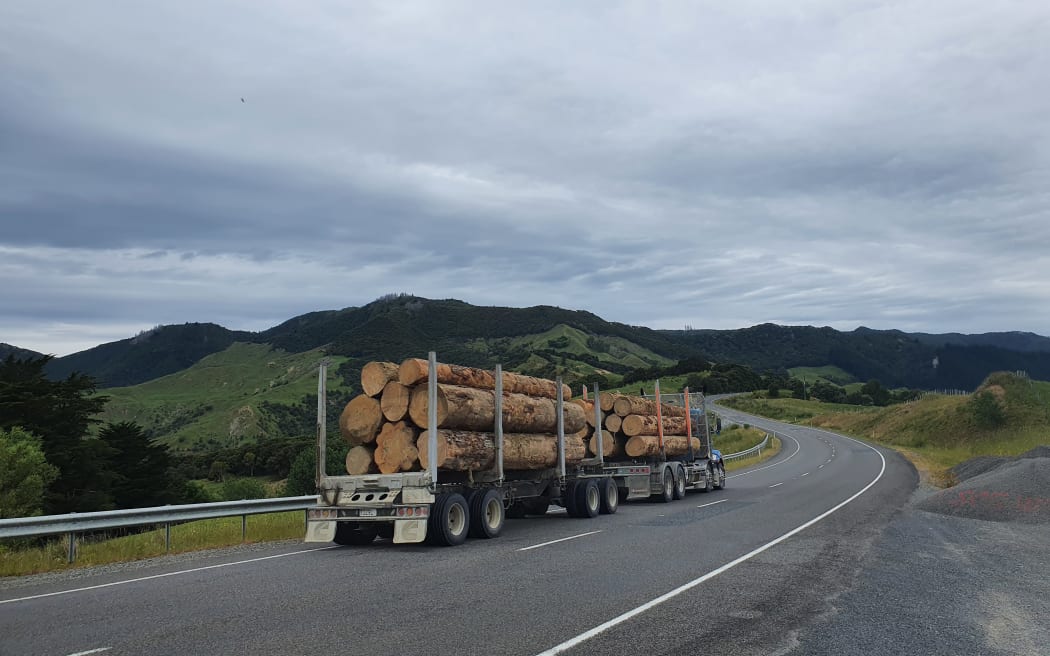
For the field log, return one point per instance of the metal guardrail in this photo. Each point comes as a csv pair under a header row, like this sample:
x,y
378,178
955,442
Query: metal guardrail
x,y
74,523
755,450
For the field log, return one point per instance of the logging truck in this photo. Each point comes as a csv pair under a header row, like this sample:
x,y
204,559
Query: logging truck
x,y
443,504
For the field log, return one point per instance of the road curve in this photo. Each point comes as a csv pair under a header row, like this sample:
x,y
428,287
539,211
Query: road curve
x,y
738,571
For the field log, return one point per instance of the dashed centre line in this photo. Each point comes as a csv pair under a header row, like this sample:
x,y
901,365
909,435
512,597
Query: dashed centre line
x,y
571,537
713,503
776,484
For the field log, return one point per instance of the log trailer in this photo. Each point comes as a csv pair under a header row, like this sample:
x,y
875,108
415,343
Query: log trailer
x,y
443,508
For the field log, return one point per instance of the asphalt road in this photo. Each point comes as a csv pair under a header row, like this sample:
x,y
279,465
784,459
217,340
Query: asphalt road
x,y
739,571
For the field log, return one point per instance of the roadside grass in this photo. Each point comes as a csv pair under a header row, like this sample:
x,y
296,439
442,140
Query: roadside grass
x,y
739,463
936,432
16,560
734,439
829,373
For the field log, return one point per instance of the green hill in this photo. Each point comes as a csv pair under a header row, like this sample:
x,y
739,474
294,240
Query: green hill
x,y
243,393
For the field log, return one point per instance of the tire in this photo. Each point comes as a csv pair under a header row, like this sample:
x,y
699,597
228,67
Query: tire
x,y
355,533
449,520
720,478
679,483
569,498
588,499
486,514
623,493
667,494
610,496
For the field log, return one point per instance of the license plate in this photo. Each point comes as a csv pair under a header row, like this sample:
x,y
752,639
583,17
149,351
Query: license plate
x,y
367,513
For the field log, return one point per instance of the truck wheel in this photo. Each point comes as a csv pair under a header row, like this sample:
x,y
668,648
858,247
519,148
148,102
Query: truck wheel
x,y
486,514
679,482
449,520
720,478
666,495
709,477
610,496
569,499
355,533
588,499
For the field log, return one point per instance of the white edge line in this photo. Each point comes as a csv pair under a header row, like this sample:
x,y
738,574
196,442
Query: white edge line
x,y
160,576
587,635
798,447
713,503
571,537
777,484
91,651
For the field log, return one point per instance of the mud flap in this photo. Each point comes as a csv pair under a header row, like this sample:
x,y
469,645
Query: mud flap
x,y
410,531
320,531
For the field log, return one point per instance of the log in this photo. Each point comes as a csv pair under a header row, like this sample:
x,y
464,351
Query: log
x,y
476,451
606,400
414,371
613,422
636,405
396,449
588,410
394,401
467,408
360,420
647,425
375,376
612,445
648,445
360,461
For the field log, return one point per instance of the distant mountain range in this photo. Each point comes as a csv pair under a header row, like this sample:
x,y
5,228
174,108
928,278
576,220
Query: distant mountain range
x,y
545,340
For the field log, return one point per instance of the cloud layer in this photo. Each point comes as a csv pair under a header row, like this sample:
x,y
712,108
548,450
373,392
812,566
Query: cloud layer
x,y
825,163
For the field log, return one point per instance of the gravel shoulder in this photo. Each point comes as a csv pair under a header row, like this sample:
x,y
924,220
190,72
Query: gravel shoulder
x,y
957,572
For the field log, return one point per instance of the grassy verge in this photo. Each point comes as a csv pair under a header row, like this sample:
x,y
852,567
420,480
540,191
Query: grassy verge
x,y
740,463
192,536
1006,416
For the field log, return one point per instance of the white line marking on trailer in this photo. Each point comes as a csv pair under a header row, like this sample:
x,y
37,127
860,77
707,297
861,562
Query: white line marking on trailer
x,y
160,576
571,537
619,619
713,503
91,651
777,484
798,447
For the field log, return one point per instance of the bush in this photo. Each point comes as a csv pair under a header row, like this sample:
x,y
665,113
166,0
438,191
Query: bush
x,y
236,489
987,411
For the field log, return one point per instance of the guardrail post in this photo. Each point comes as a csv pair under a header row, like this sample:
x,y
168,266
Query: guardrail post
x,y
72,555
167,537
244,527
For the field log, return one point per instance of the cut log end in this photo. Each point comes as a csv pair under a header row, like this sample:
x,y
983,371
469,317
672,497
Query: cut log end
x,y
375,376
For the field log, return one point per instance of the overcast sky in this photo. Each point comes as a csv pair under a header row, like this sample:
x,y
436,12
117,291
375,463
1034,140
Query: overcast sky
x,y
839,163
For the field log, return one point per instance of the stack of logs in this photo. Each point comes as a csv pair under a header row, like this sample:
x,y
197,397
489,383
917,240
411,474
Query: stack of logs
x,y
386,424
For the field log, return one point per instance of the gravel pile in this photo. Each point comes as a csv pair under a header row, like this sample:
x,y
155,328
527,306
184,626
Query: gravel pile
x,y
1006,490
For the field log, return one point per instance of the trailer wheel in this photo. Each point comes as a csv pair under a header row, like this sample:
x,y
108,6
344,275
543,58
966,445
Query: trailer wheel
x,y
610,496
449,520
666,495
486,514
588,499
679,482
355,533
623,493
720,478
568,497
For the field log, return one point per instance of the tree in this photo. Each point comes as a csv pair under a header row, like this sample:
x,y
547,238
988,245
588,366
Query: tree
x,y
24,474
303,473
874,389
141,470
60,413
987,411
